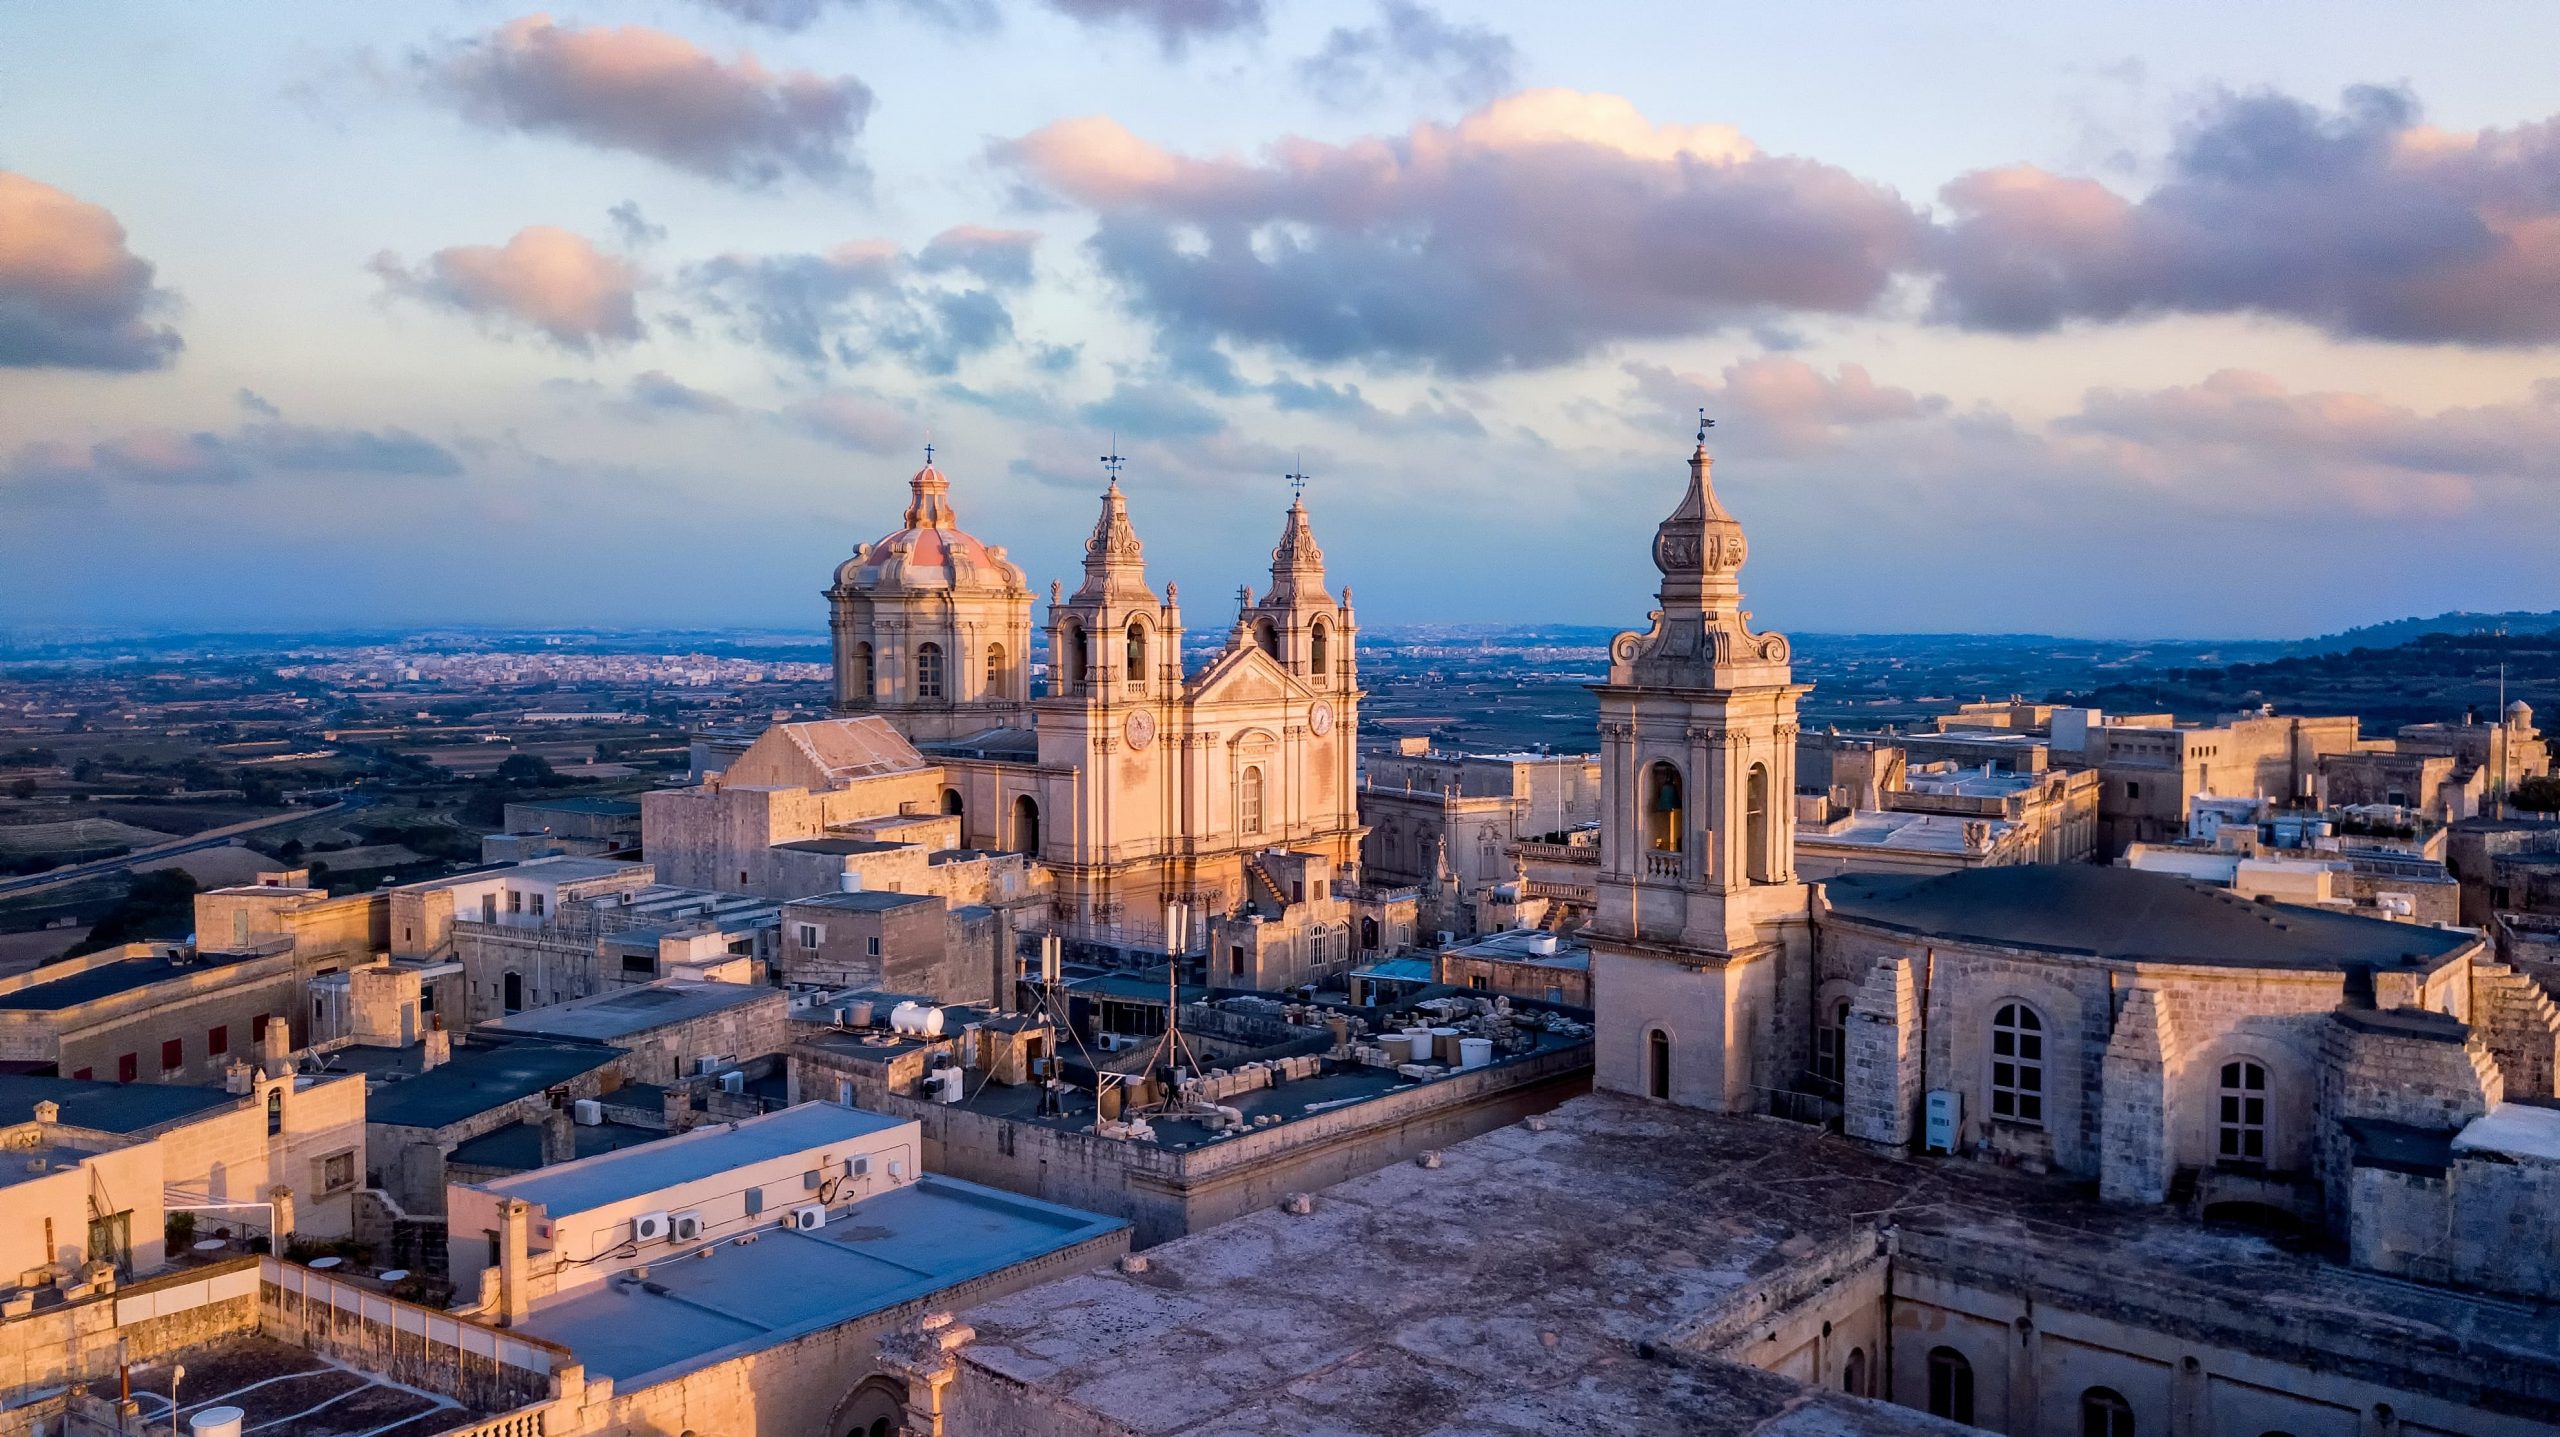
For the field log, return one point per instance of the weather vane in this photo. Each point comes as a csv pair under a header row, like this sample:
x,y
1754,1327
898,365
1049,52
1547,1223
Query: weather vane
x,y
1297,479
1112,461
1704,424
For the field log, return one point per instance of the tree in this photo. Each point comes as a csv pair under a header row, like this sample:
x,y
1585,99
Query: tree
x,y
2538,794
85,771
160,904
23,788
525,770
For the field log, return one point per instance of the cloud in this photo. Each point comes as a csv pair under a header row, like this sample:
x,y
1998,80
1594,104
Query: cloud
x,y
2360,222
1471,63
633,226
1152,411
655,94
853,419
870,299
1535,230
168,457
1346,404
998,257
1775,404
657,392
1173,23
71,295
544,278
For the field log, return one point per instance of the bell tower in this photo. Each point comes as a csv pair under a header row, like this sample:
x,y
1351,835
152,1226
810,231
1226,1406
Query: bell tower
x,y
1702,933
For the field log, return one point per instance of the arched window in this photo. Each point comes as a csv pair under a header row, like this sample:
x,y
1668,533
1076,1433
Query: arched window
x,y
1319,650
2105,1413
1662,808
1026,825
1657,1064
511,989
995,673
1950,1385
1831,1045
1266,637
929,671
951,803
1249,802
1076,658
2242,1119
2017,1064
1137,652
1853,1376
1369,935
1755,826
275,1111
865,682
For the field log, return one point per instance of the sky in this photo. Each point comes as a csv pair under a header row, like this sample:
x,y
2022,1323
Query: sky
x,y
2174,320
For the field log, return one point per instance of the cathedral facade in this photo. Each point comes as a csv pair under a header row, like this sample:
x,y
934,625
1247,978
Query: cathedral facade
x,y
1136,780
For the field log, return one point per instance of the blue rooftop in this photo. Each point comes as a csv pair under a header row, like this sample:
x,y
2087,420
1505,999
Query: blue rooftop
x,y
576,1187
107,1107
743,1295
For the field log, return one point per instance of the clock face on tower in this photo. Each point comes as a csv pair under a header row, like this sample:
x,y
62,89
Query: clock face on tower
x,y
1320,718
1140,729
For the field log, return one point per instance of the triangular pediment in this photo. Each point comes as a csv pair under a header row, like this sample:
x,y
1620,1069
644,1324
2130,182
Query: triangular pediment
x,y
1245,675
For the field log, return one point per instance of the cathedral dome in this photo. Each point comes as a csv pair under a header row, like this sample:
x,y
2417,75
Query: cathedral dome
x,y
932,553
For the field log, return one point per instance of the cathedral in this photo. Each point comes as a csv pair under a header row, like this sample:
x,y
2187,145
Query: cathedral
x,y
1139,783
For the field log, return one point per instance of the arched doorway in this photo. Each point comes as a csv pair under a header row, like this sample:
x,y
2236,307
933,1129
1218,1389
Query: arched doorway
x,y
1657,1064
951,803
1026,825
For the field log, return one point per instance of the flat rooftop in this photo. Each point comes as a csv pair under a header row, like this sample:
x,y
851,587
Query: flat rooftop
x,y
107,980
288,1391
869,900
591,1183
43,1160
847,846
611,1016
565,868
478,1077
1887,828
1521,945
517,1147
1515,1290
2132,916
739,1296
108,1107
606,807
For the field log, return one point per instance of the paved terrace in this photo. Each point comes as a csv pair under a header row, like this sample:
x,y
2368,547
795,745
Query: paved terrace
x,y
1564,1279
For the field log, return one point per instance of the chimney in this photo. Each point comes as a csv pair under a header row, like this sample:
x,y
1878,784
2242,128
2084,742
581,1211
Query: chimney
x,y
275,1047
679,1110
236,1079
48,1111
281,1232
514,1220
436,1049
559,1137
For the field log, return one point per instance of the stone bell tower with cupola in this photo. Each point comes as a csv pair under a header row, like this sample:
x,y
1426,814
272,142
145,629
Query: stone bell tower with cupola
x,y
1702,932
1296,621
1115,693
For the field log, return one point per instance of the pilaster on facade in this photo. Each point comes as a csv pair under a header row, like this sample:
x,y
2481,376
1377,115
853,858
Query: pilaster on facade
x,y
2136,1155
1882,1055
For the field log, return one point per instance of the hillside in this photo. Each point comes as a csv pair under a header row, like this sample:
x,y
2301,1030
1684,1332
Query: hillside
x,y
2434,676
2402,631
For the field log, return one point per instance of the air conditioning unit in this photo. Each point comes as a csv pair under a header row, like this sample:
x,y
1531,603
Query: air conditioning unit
x,y
687,1226
858,1167
587,1112
705,1067
649,1227
1945,1120
733,1081
806,1219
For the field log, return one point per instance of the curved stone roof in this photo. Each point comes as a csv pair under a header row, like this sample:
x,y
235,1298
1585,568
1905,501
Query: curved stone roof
x,y
931,553
2130,916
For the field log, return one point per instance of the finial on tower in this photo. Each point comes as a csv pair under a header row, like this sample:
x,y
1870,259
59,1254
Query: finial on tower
x,y
928,449
1112,462
1704,424
1298,480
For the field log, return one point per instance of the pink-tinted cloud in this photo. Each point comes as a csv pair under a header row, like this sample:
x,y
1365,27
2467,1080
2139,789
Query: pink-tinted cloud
x,y
544,279
171,457
651,93
1536,229
869,299
854,419
2360,221
1782,404
71,294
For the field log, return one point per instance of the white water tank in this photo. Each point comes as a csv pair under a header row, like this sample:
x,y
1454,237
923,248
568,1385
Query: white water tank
x,y
216,1422
916,1020
1474,1052
587,1112
848,882
1543,944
